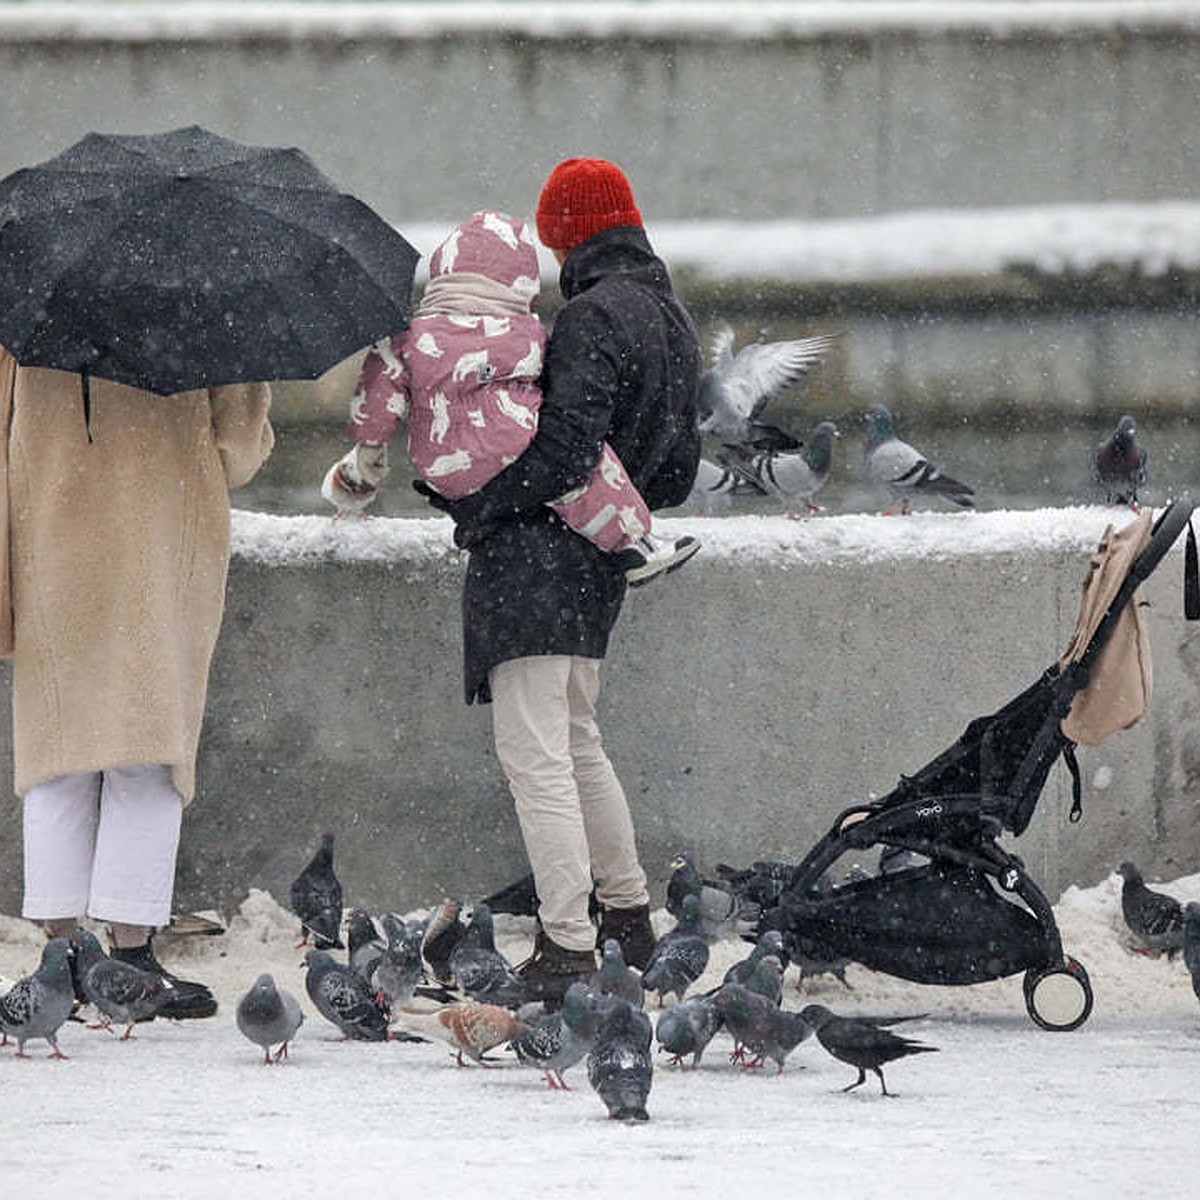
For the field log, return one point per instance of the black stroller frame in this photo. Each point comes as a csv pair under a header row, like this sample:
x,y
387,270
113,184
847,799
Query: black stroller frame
x,y
969,913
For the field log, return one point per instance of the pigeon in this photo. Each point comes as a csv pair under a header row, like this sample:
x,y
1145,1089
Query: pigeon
x,y
269,1016
316,898
793,477
521,899
615,978
902,469
862,1042
715,486
443,931
722,910
769,943
118,990
480,970
364,946
470,1027
37,1005
555,1042
1154,918
1120,465
766,979
620,1065
1191,943
760,1026
687,1028
398,970
735,390
344,998
763,882
680,955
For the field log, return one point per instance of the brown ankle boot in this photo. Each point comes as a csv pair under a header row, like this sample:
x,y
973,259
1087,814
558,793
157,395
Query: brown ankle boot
x,y
631,929
551,969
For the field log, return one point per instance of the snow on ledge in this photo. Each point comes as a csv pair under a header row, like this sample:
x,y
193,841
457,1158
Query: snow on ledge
x,y
209,19
854,538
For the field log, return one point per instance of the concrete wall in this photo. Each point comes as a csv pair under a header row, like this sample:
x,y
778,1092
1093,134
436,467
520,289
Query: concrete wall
x,y
427,112
747,702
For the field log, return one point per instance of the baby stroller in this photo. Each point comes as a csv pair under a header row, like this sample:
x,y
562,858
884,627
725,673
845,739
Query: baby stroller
x,y
962,909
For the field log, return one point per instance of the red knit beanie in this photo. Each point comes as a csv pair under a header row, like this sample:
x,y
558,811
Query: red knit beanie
x,y
581,197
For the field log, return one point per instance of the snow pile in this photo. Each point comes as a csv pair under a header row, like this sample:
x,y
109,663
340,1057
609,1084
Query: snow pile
x,y
303,540
296,541
263,936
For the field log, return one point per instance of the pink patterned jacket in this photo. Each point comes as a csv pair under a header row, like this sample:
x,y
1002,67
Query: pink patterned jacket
x,y
465,373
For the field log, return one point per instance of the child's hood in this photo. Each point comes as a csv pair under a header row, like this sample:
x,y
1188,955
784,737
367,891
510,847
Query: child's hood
x,y
494,245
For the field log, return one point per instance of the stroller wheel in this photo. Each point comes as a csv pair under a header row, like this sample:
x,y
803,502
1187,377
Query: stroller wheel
x,y
1059,998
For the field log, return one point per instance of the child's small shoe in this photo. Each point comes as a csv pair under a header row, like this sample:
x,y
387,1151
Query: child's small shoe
x,y
650,556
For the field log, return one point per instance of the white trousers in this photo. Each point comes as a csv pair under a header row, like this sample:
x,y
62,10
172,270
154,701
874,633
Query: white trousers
x,y
573,814
102,844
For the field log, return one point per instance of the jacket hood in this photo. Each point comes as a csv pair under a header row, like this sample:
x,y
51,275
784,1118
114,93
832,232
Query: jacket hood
x,y
620,250
494,245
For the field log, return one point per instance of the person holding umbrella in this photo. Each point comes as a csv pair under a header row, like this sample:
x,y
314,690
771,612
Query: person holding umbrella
x,y
539,603
148,283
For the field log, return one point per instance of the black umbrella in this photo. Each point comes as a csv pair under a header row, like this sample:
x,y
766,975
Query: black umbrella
x,y
183,260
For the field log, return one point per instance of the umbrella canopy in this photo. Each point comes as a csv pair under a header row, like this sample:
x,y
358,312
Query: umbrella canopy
x,y
184,260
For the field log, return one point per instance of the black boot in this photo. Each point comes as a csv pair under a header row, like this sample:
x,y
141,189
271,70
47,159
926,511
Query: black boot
x,y
185,1000
630,928
550,970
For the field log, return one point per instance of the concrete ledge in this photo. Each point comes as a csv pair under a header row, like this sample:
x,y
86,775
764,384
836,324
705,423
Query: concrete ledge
x,y
793,669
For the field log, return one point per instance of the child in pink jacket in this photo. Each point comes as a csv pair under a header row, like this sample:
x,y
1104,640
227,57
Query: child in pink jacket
x,y
465,377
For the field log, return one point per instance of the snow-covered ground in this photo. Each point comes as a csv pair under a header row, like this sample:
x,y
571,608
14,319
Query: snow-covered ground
x,y
1004,1109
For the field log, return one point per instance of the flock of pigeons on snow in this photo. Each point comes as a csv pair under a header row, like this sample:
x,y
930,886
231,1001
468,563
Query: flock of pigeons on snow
x,y
441,977
755,457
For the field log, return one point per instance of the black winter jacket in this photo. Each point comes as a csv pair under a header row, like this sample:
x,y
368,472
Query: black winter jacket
x,y
622,366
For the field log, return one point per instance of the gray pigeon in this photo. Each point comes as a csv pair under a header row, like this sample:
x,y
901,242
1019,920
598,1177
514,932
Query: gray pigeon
x,y
793,477
269,1016
715,486
723,911
615,978
400,967
770,942
1191,943
1154,918
766,979
364,946
759,1026
37,1005
344,998
555,1042
620,1064
480,970
902,469
862,1042
316,898
1119,466
687,1028
735,390
118,990
680,955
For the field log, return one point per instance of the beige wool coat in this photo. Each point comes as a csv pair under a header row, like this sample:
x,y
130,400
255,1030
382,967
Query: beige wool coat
x,y
117,555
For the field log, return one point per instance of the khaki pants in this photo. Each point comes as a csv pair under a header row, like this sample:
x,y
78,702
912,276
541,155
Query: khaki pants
x,y
572,810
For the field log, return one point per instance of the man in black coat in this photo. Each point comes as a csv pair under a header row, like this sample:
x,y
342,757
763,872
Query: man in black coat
x,y
539,601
